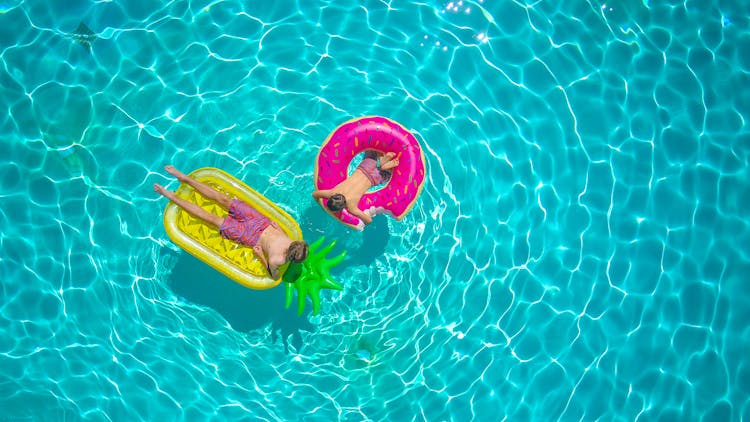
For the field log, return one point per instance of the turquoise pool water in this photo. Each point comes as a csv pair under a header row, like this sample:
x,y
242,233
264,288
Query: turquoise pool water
x,y
579,252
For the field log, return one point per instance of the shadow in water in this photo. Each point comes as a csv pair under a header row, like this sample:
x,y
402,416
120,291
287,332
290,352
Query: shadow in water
x,y
362,248
245,309
374,241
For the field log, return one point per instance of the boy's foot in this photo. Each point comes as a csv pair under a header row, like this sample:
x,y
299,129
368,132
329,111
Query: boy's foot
x,y
386,161
390,164
385,158
176,173
160,189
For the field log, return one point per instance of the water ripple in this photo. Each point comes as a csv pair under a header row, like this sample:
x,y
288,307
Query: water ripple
x,y
577,252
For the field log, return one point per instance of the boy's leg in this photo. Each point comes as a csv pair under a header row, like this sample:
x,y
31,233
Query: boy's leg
x,y
190,207
202,188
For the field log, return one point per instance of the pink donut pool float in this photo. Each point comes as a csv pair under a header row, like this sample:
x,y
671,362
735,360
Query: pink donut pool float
x,y
400,193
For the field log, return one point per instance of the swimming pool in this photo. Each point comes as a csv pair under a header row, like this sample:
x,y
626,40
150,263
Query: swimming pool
x,y
579,250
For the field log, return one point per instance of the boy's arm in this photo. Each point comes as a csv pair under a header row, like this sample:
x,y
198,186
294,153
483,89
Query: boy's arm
x,y
324,193
364,216
274,273
259,251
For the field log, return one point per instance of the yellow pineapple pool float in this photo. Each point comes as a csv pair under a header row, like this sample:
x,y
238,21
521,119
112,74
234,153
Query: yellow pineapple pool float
x,y
203,240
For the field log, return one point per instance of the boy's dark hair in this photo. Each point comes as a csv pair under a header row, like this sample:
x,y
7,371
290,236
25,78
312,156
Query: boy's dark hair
x,y
336,203
297,251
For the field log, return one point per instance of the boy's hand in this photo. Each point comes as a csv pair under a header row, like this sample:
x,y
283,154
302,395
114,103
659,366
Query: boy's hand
x,y
363,215
373,211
